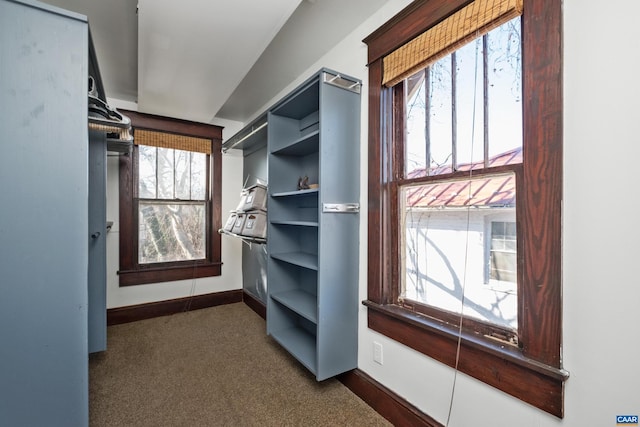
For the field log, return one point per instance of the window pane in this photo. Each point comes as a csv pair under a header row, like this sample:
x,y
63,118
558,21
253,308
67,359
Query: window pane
x,y
469,106
430,144
447,247
147,172
198,176
503,252
415,139
165,173
505,93
440,121
183,181
171,232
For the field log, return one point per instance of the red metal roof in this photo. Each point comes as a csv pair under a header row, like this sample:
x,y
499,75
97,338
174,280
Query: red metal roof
x,y
487,191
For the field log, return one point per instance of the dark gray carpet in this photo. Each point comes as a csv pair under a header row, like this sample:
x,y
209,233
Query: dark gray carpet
x,y
212,367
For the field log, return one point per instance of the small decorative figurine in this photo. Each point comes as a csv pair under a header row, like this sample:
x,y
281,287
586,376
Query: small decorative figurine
x,y
303,183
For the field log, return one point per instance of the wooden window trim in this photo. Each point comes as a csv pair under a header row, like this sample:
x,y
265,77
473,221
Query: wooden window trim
x,y
532,373
130,273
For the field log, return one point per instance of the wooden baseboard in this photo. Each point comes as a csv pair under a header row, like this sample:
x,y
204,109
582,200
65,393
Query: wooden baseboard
x,y
255,304
134,313
385,402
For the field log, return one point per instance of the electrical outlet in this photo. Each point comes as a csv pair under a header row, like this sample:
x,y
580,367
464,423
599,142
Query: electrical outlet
x,y
377,352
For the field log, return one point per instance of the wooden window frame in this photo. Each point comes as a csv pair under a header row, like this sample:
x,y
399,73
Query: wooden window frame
x,y
533,372
133,273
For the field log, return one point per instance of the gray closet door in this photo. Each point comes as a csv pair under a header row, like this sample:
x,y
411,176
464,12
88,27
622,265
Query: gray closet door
x,y
43,216
97,242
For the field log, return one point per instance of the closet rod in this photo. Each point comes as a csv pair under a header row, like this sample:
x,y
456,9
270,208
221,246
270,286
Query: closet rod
x,y
249,135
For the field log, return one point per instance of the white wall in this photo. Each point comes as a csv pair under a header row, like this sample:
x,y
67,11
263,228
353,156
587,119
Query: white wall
x,y
601,231
231,277
601,290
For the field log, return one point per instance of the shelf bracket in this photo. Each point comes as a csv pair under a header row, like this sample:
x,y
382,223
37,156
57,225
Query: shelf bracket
x,y
341,82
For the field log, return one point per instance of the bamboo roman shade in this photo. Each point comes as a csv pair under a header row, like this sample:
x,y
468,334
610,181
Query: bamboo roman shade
x,y
171,140
469,23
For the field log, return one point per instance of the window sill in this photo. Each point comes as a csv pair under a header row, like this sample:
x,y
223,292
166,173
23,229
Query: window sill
x,y
168,274
494,363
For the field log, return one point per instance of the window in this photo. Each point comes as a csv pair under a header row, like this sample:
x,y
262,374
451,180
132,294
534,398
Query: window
x,y
170,202
447,251
462,113
503,252
457,130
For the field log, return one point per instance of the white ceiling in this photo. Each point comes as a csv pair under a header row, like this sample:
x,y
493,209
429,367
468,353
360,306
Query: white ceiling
x,y
205,59
201,50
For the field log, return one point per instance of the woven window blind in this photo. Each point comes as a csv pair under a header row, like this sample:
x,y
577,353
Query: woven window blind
x,y
170,140
469,23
